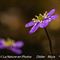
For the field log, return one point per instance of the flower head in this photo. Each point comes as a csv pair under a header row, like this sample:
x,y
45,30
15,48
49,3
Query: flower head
x,y
11,45
9,42
41,21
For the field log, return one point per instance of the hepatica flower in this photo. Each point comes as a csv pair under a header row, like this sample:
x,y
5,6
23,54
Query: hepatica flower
x,y
11,45
41,21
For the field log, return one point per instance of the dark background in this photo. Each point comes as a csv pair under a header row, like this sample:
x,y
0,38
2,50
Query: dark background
x,y
14,14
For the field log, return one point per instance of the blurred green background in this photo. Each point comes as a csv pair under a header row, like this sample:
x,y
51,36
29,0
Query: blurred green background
x,y
14,14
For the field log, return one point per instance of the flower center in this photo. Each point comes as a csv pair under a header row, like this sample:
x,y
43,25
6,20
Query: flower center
x,y
40,17
9,42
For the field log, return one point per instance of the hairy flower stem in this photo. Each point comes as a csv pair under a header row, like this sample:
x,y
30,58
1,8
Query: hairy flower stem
x,y
50,42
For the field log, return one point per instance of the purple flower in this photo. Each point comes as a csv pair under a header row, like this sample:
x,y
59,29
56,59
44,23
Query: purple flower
x,y
41,21
11,45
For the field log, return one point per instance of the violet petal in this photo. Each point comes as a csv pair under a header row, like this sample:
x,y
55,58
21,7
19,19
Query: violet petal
x,y
1,44
44,24
18,44
15,50
34,28
31,23
51,12
54,17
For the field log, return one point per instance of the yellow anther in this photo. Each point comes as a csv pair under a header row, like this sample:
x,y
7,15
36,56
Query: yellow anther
x,y
9,42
